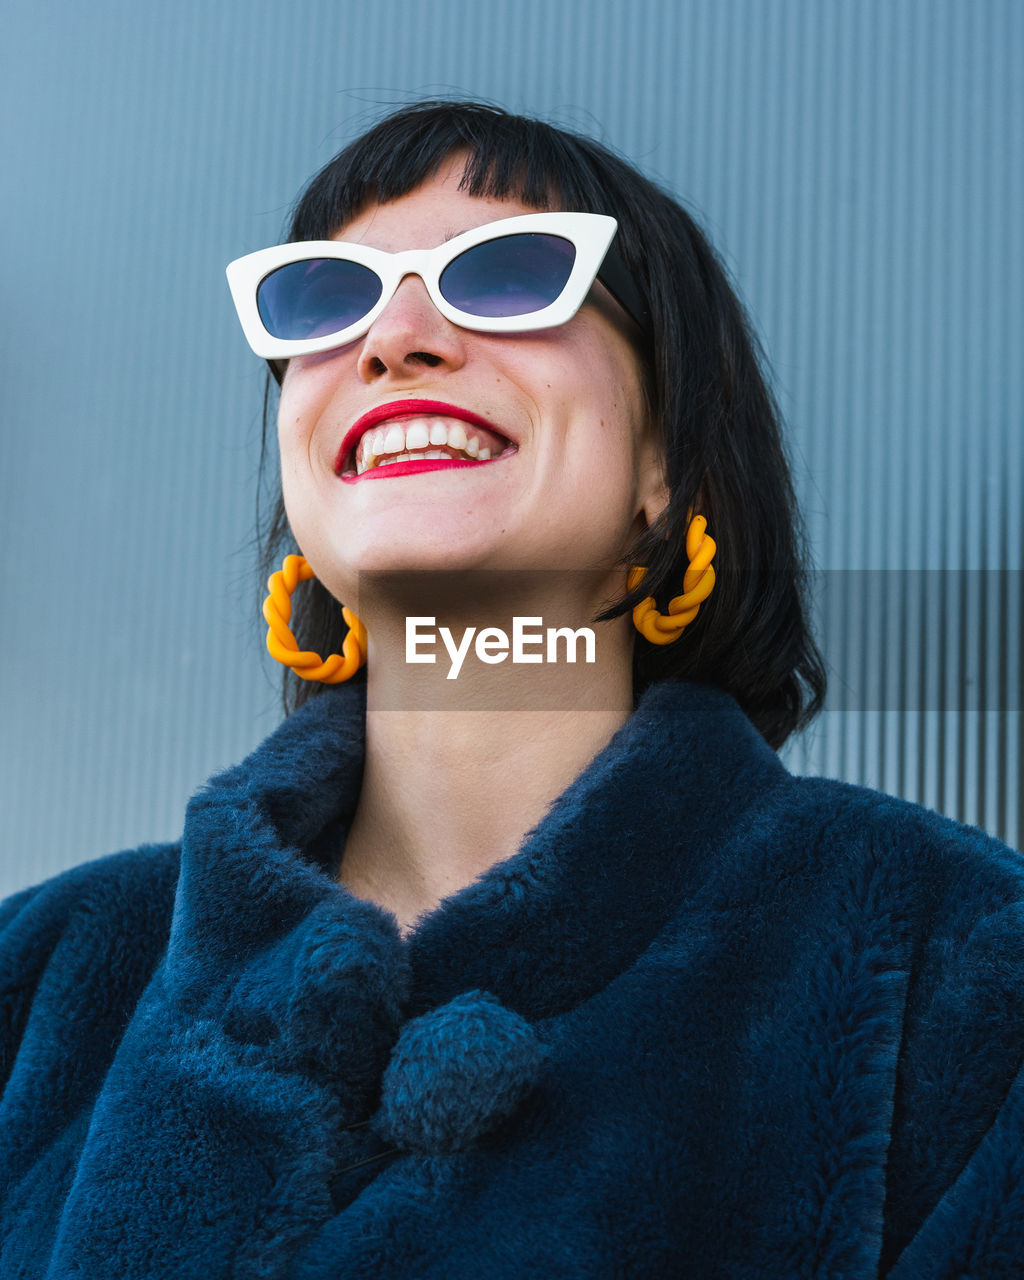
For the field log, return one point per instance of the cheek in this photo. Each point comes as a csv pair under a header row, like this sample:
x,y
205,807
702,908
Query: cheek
x,y
609,372
293,444
301,407
301,487
614,457
614,419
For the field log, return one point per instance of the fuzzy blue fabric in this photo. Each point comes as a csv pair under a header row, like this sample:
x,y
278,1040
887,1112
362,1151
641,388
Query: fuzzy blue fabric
x,y
710,1020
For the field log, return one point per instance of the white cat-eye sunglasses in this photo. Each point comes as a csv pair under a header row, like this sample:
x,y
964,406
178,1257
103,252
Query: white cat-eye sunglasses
x,y
509,276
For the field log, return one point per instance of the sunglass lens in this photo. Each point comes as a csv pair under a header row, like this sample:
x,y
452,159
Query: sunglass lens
x,y
509,276
316,297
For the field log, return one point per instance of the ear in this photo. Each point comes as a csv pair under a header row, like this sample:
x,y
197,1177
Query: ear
x,y
653,489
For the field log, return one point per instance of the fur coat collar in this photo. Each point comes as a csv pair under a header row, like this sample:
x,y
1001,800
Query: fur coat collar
x,y
708,1020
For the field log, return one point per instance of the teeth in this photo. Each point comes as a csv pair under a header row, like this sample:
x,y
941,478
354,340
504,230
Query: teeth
x,y
396,442
412,457
417,436
457,436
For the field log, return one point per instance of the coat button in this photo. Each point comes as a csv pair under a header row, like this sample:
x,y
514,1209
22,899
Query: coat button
x,y
456,1073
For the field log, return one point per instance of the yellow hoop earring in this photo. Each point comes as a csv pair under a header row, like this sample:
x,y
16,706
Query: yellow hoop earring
x,y
663,628
277,609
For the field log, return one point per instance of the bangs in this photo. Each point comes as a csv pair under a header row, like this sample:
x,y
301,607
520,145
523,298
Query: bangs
x,y
507,157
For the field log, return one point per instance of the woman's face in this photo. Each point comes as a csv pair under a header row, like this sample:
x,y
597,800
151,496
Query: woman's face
x,y
577,473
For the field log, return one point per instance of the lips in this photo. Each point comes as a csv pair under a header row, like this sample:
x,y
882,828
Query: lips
x,y
395,410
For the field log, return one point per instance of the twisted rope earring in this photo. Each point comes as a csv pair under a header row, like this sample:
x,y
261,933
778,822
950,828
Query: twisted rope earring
x,y
663,628
284,648
658,628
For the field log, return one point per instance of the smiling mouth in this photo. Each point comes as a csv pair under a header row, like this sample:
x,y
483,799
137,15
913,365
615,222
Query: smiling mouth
x,y
425,437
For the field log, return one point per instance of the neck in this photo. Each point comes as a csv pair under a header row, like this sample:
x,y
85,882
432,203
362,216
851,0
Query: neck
x,y
458,770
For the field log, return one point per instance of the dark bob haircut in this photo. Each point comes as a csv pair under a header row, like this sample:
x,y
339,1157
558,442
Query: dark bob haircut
x,y
712,407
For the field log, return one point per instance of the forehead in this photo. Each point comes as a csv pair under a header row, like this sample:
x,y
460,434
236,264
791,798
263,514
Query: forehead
x,y
428,215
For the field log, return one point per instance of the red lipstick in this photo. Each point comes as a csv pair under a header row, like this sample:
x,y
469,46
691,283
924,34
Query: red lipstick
x,y
394,409
413,466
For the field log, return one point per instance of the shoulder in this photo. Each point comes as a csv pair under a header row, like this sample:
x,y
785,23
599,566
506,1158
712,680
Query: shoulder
x,y
107,918
938,860
949,898
953,893
855,877
957,892
133,884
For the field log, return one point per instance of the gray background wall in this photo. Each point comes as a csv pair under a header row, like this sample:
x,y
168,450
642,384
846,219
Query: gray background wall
x,y
859,165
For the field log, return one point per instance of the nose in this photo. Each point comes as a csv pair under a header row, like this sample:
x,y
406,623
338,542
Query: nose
x,y
409,335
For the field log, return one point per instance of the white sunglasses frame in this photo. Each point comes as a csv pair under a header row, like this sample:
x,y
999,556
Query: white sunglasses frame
x,y
590,233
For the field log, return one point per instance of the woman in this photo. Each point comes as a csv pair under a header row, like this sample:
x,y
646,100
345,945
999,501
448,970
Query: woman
x,y
572,979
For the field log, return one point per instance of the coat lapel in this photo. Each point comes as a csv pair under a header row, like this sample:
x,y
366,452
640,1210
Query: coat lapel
x,y
242,1090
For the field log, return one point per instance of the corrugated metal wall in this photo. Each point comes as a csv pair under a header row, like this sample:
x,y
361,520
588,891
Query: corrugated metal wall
x,y
858,164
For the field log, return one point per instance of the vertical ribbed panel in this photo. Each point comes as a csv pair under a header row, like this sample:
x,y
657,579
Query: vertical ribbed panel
x,y
858,165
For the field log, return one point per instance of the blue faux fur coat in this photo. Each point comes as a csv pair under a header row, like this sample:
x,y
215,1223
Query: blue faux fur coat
x,y
710,1021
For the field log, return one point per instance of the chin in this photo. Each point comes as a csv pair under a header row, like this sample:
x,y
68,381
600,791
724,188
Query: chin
x,y
442,564
420,545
